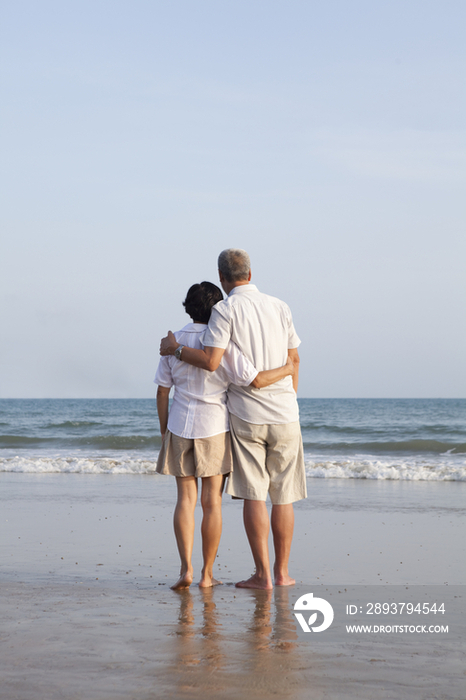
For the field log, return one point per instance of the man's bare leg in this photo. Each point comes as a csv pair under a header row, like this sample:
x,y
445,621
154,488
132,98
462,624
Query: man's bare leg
x,y
256,523
211,528
183,523
282,531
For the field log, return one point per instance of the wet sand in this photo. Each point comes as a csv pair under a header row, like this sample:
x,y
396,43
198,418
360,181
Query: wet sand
x,y
87,611
86,641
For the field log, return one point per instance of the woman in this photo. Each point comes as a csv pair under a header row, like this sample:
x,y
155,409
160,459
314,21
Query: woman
x,y
195,433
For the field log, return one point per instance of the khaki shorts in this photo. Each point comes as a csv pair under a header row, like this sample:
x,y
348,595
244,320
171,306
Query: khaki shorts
x,y
198,457
267,459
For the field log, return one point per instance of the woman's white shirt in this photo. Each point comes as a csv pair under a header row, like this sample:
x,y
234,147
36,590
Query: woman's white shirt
x,y
199,407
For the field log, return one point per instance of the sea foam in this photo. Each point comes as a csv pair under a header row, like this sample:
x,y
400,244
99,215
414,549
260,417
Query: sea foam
x,y
358,467
442,468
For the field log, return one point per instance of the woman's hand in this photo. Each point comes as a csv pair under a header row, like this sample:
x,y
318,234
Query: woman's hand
x,y
289,366
270,376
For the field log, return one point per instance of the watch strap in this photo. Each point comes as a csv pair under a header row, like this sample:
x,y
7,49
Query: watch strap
x,y
177,352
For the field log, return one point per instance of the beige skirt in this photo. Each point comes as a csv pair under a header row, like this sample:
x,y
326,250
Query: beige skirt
x,y
199,457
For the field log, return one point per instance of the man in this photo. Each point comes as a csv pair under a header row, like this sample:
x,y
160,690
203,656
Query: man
x,y
264,423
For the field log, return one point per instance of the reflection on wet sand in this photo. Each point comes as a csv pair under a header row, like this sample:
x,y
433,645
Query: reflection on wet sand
x,y
225,648
199,655
284,635
185,615
210,629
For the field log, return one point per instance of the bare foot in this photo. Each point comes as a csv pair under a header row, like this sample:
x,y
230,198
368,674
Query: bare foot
x,y
209,581
255,582
184,581
284,580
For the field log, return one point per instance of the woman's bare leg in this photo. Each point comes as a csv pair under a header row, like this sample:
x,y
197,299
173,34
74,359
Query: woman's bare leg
x,y
211,529
183,523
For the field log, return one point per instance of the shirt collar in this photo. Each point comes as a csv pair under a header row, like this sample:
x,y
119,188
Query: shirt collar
x,y
243,289
194,328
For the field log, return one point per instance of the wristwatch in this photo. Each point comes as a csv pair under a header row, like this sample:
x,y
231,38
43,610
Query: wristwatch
x,y
177,352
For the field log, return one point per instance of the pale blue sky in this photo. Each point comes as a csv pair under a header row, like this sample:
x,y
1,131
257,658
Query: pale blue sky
x,y
140,139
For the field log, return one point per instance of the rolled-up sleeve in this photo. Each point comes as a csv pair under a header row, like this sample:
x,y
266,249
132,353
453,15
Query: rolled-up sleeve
x,y
293,338
163,376
218,333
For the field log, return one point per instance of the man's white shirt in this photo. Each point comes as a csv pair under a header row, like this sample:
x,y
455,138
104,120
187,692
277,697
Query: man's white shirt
x,y
262,326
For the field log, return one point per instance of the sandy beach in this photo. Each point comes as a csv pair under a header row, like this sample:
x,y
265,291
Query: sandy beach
x,y
88,613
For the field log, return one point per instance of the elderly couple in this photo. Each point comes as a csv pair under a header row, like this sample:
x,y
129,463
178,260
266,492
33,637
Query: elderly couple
x,y
235,413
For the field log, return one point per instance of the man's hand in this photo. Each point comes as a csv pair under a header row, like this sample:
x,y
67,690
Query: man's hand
x,y
168,344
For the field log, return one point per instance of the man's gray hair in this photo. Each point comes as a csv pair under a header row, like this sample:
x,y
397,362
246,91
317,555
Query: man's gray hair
x,y
234,264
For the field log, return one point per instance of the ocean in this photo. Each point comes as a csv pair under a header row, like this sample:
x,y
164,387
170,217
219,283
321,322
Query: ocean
x,y
382,439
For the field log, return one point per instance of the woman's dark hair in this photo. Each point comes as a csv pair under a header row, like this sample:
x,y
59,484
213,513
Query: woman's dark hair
x,y
200,299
